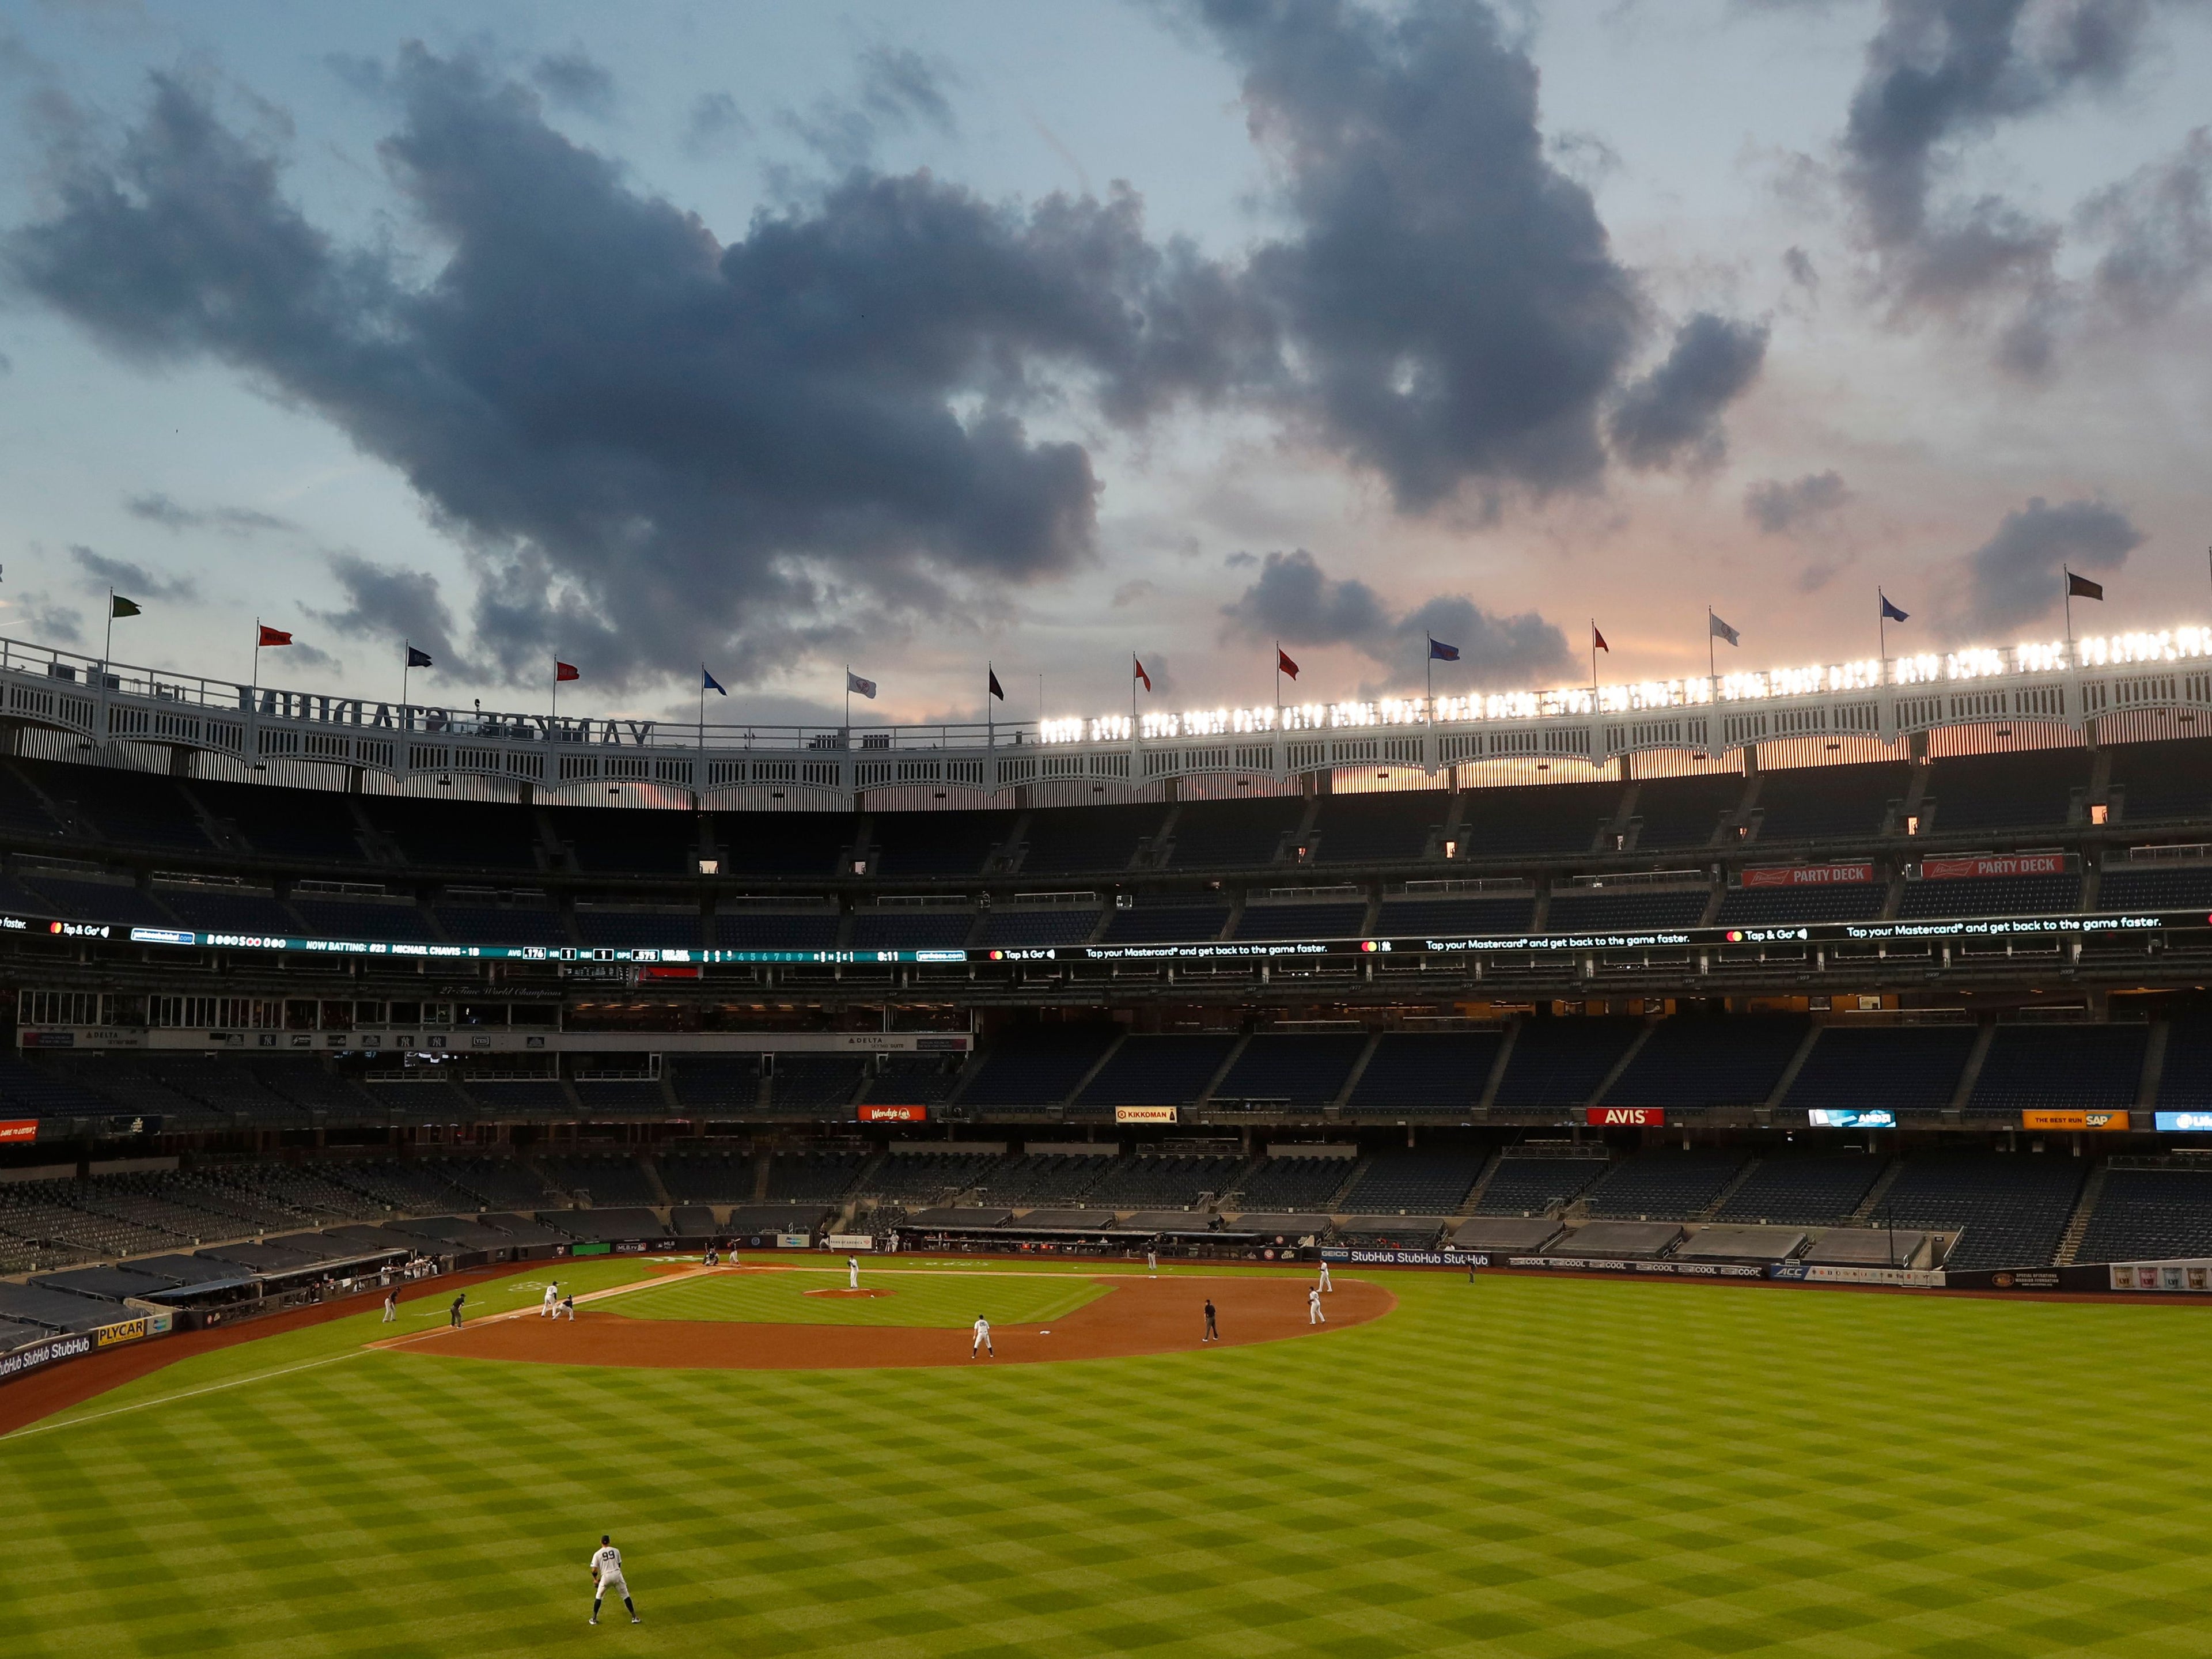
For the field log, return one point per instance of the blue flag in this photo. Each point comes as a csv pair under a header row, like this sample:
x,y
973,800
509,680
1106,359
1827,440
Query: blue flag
x,y
1439,651
1889,610
418,658
712,683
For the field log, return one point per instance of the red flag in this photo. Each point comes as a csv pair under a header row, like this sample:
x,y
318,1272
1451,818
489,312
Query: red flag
x,y
1597,641
1140,674
565,670
1284,664
272,636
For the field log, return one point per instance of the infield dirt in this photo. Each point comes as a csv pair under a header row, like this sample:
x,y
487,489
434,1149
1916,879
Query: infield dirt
x,y
1137,1316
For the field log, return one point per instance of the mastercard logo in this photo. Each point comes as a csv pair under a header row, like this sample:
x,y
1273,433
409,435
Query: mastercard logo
x,y
1736,936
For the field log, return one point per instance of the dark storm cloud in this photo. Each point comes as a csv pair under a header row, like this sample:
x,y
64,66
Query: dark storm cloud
x,y
2014,578
1294,601
132,581
1673,414
389,603
1940,73
652,441
1778,509
575,80
1455,307
2157,231
156,507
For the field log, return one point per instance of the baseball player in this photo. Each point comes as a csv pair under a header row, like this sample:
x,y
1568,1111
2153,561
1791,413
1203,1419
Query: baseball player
x,y
982,1342
714,1256
853,1268
1152,1260
545,1308
607,1575
1212,1331
456,1314
1313,1315
391,1308
1325,1284
568,1306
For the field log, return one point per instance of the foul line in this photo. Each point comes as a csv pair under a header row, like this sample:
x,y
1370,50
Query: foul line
x,y
163,1399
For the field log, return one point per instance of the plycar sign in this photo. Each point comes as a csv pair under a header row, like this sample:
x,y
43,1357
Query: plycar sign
x,y
1640,1117
893,1114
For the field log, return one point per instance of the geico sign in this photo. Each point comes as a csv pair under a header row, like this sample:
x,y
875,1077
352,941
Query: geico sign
x,y
1631,1116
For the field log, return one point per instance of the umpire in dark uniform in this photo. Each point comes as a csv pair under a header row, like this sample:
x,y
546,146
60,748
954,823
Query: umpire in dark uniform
x,y
1212,1331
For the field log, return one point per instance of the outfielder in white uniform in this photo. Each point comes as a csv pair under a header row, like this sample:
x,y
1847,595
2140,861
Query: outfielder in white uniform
x,y
1151,1259
392,1308
1325,1284
545,1308
1313,1315
607,1575
853,1267
982,1342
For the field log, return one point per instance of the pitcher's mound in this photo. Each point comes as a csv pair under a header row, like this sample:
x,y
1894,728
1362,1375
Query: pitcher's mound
x,y
842,1291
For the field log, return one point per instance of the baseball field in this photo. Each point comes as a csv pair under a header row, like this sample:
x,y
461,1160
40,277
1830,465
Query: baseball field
x,y
1518,1466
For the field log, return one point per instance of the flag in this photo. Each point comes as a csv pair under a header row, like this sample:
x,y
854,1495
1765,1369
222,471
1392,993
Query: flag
x,y
1597,641
271,636
710,682
1889,610
1284,664
855,683
997,690
1439,651
1140,674
1720,630
565,670
2080,587
418,658
120,606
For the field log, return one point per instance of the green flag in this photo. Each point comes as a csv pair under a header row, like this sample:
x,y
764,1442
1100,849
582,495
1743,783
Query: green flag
x,y
120,606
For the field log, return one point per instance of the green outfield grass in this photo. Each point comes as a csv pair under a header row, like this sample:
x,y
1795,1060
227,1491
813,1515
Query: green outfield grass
x,y
1521,1466
918,1296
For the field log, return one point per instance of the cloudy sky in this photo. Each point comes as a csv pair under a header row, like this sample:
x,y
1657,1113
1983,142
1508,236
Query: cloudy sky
x,y
777,337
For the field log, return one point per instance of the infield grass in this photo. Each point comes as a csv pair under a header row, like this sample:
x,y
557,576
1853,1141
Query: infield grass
x,y
909,1297
1519,1467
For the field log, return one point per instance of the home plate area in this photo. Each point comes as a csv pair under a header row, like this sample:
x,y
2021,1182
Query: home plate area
x,y
784,1319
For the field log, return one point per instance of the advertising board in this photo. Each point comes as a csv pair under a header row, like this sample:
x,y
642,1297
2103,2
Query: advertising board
x,y
1871,1117
849,1244
1659,1269
1926,1279
1144,1115
19,1130
1638,1117
1404,1258
1993,864
2106,1121
2169,1123
1810,875
893,1114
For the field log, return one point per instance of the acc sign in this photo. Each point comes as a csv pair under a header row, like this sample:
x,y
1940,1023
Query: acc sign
x,y
1634,1116
893,1114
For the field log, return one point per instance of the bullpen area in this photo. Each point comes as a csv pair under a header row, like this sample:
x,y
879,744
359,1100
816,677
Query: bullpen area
x,y
1511,1465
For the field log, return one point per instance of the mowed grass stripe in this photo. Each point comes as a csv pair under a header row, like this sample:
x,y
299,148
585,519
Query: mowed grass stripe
x,y
1511,1467
917,1298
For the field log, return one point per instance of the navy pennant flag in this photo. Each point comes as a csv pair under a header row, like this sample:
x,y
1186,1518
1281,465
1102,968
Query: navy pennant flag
x,y
997,690
1439,651
2080,587
417,657
1889,610
710,682
855,683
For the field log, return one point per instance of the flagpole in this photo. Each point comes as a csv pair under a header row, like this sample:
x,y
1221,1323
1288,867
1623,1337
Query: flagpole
x,y
702,705
1593,622
848,705
2066,581
107,651
990,715
1429,668
556,716
1712,671
406,666
257,654
1278,683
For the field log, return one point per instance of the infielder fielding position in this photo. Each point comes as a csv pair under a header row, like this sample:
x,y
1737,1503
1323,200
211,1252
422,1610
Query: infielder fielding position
x,y
982,1342
607,1575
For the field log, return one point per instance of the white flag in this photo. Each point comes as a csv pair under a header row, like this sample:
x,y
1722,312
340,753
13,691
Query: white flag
x,y
855,683
1722,630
